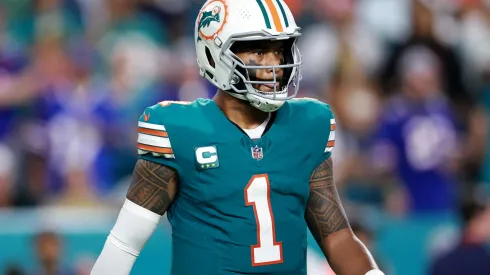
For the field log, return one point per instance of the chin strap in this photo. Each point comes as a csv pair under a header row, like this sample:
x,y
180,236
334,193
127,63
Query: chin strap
x,y
264,105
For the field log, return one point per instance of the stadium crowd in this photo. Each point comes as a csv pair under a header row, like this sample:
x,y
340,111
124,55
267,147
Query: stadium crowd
x,y
408,80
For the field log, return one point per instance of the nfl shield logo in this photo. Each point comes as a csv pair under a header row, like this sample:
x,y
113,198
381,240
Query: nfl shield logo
x,y
257,152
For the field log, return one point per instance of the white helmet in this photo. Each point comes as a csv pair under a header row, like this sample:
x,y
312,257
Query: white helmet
x,y
223,22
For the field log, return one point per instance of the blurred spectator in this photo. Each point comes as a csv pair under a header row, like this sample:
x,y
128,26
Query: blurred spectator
x,y
484,170
416,140
475,40
450,67
7,176
49,251
341,57
389,19
471,256
296,6
57,19
336,28
13,269
84,264
355,101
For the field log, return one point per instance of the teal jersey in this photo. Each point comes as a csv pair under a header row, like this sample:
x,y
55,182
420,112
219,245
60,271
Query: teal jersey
x,y
241,202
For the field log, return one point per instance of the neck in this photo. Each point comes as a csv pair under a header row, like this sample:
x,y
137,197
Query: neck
x,y
50,267
239,111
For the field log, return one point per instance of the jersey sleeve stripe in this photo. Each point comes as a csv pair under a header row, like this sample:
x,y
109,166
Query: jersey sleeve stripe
x,y
330,145
152,132
159,150
151,126
333,125
154,141
331,136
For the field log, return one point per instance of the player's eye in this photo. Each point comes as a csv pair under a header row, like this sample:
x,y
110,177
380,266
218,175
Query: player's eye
x,y
278,52
259,52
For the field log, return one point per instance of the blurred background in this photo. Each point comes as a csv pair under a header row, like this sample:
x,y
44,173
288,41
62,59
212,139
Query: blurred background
x,y
408,80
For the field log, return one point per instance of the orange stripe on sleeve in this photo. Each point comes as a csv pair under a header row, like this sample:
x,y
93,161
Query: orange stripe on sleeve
x,y
331,143
155,149
152,132
333,127
275,15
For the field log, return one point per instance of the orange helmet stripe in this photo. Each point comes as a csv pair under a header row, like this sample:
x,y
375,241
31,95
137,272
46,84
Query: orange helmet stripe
x,y
275,15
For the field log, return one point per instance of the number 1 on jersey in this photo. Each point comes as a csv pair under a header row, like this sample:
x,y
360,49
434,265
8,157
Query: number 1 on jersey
x,y
257,194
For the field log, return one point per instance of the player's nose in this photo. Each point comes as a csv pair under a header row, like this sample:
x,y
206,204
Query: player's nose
x,y
273,60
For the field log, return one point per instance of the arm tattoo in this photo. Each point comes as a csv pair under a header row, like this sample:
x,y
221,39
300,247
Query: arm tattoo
x,y
153,186
324,212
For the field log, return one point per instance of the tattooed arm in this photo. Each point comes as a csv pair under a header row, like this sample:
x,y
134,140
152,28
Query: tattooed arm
x,y
152,190
328,223
153,186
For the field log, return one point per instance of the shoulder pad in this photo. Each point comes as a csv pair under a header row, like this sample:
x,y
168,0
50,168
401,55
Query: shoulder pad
x,y
321,116
313,108
153,137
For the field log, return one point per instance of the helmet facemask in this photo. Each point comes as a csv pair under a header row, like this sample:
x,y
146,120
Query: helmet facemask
x,y
243,78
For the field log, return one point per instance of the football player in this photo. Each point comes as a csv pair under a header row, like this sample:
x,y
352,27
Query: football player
x,y
243,176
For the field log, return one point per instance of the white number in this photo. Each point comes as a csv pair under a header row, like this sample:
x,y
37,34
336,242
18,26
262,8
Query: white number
x,y
257,194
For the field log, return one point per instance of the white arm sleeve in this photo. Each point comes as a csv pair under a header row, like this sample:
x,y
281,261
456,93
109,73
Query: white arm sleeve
x,y
133,228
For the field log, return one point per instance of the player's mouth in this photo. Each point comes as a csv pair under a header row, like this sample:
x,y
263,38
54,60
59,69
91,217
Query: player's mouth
x,y
268,87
